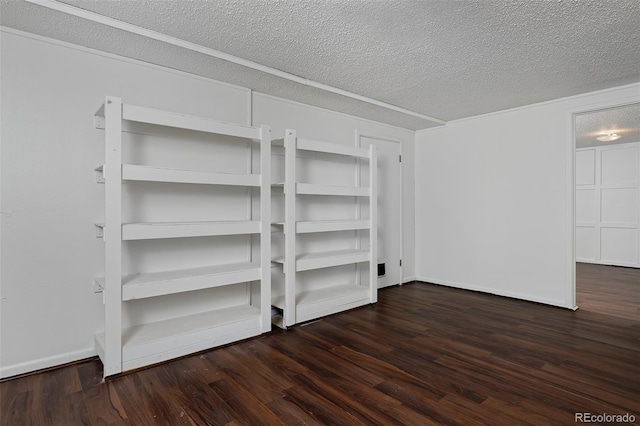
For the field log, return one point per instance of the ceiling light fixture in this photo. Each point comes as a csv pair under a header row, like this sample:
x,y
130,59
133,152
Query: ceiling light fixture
x,y
609,137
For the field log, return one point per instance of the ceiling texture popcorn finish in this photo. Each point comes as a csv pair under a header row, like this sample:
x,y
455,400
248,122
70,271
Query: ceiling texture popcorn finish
x,y
439,61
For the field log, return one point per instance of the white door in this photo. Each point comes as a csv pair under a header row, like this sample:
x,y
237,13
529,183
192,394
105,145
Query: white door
x,y
389,208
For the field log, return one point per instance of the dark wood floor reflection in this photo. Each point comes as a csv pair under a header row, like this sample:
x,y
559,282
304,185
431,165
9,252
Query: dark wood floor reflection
x,y
609,290
423,355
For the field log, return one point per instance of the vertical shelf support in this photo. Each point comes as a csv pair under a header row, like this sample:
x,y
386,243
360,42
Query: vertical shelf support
x,y
373,226
113,236
265,230
289,316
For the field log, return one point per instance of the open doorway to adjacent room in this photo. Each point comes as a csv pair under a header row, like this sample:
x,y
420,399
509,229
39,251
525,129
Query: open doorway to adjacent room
x,y
607,211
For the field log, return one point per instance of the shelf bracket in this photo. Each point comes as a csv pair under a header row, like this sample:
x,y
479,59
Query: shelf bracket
x,y
99,230
98,285
98,121
100,174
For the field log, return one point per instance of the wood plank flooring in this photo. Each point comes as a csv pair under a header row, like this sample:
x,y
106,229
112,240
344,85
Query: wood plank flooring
x,y
423,355
609,290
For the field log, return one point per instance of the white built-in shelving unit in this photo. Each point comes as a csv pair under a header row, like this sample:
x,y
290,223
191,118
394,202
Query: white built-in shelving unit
x,y
125,348
298,304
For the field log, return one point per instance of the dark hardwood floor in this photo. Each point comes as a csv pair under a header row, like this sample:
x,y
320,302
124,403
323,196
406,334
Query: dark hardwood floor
x,y
609,290
423,355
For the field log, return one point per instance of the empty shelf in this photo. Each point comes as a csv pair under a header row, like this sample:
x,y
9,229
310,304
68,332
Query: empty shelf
x,y
331,148
139,286
327,259
326,301
330,225
155,230
152,230
182,121
163,174
312,189
159,341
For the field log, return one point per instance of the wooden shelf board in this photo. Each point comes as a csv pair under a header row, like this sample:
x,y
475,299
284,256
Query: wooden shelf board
x,y
305,227
163,174
159,341
153,230
350,191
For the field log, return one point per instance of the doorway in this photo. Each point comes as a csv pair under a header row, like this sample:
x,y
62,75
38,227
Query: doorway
x,y
389,209
607,210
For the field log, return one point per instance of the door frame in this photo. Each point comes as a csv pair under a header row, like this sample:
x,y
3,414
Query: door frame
x,y
400,142
623,98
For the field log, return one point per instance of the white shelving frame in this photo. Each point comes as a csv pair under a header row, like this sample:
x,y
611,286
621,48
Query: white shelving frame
x,y
124,349
299,306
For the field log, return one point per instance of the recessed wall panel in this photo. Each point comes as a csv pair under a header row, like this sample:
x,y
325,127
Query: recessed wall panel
x,y
619,245
586,208
620,205
585,243
585,167
619,166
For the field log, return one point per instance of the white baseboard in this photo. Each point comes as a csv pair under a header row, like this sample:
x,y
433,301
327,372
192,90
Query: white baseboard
x,y
408,279
497,292
39,364
609,263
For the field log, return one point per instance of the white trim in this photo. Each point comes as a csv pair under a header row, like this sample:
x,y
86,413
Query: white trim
x,y
625,145
570,214
343,114
47,362
134,29
409,279
2,213
543,103
119,58
495,291
249,107
209,80
608,263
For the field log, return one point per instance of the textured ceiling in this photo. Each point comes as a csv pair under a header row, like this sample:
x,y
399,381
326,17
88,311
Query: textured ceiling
x,y
625,121
443,59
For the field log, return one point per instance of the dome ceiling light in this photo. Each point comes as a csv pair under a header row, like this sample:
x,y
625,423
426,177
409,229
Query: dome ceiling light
x,y
609,136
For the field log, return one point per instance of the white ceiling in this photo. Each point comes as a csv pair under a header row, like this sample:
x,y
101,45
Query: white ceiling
x,y
624,121
442,59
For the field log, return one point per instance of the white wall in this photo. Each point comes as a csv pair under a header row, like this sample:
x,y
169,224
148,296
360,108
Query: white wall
x,y
49,198
494,199
608,205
